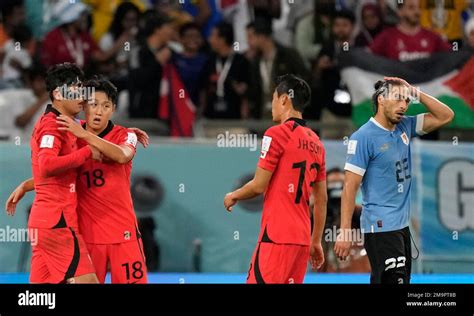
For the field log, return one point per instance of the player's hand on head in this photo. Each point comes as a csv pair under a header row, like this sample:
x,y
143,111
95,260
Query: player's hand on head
x,y
316,256
68,124
342,247
142,136
229,201
399,80
13,199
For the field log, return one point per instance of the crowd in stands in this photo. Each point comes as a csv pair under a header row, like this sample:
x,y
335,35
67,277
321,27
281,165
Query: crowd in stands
x,y
225,53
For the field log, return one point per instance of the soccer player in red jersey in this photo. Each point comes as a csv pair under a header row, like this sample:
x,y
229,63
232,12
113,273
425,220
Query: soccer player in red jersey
x,y
105,209
107,219
291,167
60,254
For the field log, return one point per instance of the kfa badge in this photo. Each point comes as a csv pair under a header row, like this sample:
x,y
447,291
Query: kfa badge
x,y
405,138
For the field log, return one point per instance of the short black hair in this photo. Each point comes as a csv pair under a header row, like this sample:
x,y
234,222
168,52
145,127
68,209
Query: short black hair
x,y
22,34
345,14
101,84
8,6
116,28
382,87
261,26
298,90
188,26
226,31
154,22
62,74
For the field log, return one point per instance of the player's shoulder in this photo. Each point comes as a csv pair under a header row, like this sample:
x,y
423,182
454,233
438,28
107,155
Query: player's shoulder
x,y
275,130
123,134
363,132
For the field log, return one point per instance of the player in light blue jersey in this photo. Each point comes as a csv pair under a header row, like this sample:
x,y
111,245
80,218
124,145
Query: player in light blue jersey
x,y
379,157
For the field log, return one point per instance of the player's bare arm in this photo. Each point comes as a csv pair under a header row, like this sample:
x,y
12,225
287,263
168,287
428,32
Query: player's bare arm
x,y
121,154
17,195
439,113
251,189
351,185
319,219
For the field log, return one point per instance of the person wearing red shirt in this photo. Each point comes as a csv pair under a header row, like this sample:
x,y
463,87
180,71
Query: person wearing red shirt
x,y
71,41
105,211
59,253
408,40
291,168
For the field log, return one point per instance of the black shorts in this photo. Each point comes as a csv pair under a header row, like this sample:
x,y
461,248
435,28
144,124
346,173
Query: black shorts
x,y
390,256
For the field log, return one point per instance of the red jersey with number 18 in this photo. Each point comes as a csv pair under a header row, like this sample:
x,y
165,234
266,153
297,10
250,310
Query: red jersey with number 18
x,y
105,208
296,156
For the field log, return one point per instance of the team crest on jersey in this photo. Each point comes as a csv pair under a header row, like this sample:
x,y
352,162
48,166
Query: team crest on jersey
x,y
405,139
131,139
47,141
127,235
266,142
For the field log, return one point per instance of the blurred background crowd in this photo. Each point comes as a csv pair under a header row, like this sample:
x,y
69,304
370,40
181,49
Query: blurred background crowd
x,y
212,61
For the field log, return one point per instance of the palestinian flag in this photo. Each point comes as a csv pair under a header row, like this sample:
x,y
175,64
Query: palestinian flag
x,y
446,76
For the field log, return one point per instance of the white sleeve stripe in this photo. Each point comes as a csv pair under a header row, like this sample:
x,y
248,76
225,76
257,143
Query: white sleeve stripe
x,y
420,119
355,169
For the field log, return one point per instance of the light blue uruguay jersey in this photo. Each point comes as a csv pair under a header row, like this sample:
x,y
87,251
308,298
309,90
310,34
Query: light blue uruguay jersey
x,y
382,157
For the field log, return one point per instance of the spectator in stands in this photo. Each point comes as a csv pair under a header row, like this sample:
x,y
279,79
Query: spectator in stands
x,y
102,12
13,15
314,30
273,60
330,91
14,103
146,71
70,41
18,57
444,18
265,9
191,63
228,77
408,40
121,40
205,14
36,84
372,25
469,31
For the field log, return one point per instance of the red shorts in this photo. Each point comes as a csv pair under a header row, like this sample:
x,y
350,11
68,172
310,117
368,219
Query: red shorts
x,y
125,261
278,263
58,254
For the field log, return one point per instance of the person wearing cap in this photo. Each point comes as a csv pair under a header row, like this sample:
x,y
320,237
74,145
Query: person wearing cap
x,y
70,41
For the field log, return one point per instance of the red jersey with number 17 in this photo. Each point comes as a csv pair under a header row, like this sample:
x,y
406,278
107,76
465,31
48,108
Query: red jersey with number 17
x,y
105,208
296,156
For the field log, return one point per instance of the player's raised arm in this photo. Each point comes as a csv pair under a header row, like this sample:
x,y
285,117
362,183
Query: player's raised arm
x,y
17,195
118,153
251,189
439,113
